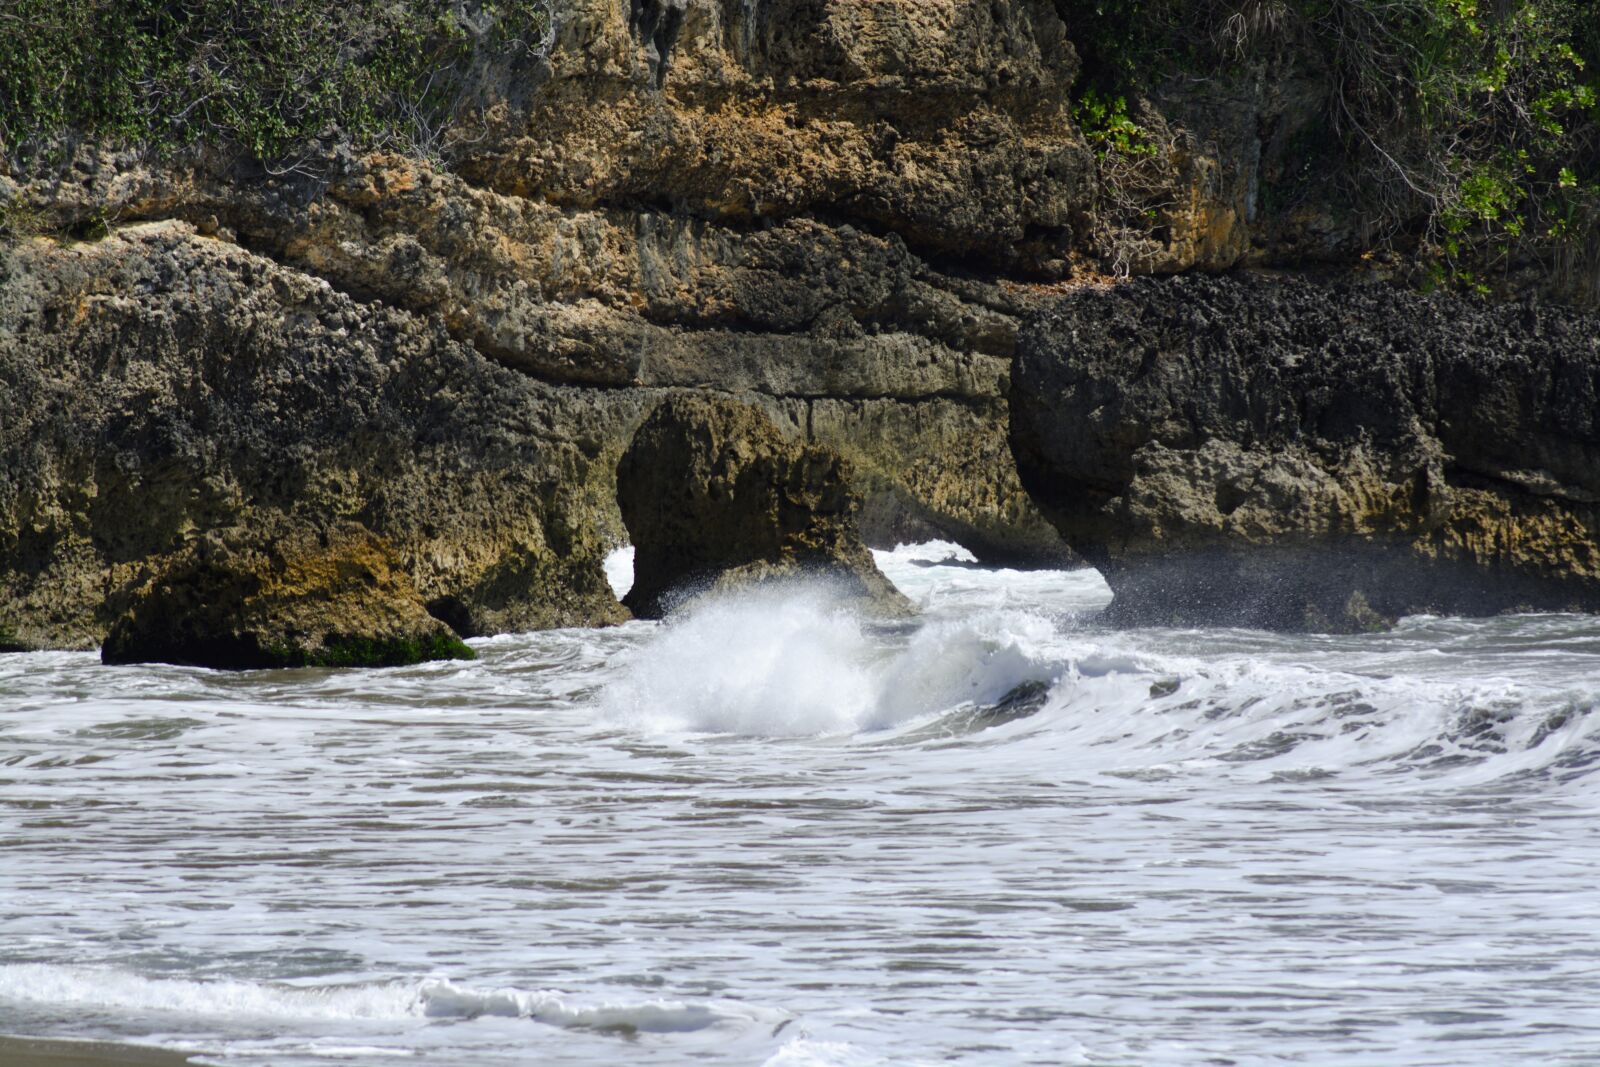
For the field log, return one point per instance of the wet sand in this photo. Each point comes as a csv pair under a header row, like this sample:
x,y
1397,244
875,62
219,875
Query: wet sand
x,y
45,1052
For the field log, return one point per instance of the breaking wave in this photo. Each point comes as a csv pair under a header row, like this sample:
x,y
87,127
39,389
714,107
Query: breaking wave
x,y
120,992
800,661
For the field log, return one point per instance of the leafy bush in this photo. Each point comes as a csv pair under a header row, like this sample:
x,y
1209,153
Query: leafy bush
x,y
262,76
1133,164
1106,124
1473,125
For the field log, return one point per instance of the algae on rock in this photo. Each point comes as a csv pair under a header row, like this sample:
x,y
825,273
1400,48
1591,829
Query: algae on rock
x,y
160,385
251,599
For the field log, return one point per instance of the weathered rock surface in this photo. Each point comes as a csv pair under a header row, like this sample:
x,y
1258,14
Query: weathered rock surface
x,y
714,215
1274,453
842,208
156,385
249,599
715,498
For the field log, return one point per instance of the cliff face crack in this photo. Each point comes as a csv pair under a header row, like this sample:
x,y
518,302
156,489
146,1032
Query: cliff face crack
x,y
657,22
1510,481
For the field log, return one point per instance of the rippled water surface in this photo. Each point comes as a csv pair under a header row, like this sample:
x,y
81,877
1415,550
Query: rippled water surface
x,y
771,833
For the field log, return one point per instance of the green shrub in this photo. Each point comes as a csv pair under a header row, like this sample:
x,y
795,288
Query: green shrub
x,y
1106,124
261,76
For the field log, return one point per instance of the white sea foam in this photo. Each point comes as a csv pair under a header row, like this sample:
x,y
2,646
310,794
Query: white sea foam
x,y
926,552
619,570
443,1000
774,832
770,662
799,660
112,991
805,666
109,990
804,1052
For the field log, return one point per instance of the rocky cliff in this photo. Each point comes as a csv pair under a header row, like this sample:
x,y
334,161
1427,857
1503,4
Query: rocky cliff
x,y
1274,453
158,384
715,499
844,208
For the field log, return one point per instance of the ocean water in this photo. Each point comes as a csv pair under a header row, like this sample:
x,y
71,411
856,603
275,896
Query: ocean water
x,y
773,833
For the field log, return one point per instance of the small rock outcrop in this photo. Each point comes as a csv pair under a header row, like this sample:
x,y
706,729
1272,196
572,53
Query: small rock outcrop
x,y
714,497
237,599
1279,454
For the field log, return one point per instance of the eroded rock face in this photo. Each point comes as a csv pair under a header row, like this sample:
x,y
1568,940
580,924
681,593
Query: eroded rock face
x,y
1274,453
729,195
845,207
249,599
156,385
714,497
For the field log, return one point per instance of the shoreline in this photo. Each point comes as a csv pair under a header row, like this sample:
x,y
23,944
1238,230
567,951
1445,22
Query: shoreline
x,y
69,1052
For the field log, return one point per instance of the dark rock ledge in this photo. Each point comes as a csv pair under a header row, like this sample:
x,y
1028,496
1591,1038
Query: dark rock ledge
x,y
1274,453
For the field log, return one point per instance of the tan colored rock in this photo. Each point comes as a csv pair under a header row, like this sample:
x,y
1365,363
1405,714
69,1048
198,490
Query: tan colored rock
x,y
846,206
715,498
159,385
247,599
610,224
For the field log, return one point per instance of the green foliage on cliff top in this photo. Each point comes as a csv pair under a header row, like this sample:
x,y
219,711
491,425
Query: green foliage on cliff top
x,y
1479,117
262,76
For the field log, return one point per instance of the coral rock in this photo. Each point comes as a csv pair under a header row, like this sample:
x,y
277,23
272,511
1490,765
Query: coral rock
x,y
1291,456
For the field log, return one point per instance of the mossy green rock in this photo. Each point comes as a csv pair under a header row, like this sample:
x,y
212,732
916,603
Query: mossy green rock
x,y
237,599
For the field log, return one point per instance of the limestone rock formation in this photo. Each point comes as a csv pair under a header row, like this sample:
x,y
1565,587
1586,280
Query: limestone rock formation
x,y
1275,453
842,208
248,599
845,207
714,497
156,384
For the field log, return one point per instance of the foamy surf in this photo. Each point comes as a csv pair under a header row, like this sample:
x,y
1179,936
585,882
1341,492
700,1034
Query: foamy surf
x,y
114,992
799,660
774,832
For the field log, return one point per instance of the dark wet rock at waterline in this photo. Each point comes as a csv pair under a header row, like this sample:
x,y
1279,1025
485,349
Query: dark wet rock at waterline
x,y
237,599
715,498
1278,454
